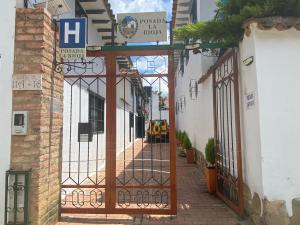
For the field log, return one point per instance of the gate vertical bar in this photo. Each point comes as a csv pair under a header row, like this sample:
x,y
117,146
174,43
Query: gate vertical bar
x,y
110,132
172,138
238,134
215,116
229,182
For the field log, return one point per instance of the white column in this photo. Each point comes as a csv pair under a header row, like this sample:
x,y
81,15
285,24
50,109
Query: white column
x,y
7,25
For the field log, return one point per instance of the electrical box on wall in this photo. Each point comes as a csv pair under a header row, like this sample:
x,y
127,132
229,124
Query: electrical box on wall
x,y
20,123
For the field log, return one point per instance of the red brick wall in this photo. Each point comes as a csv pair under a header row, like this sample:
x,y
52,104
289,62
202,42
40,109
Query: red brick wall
x,y
40,149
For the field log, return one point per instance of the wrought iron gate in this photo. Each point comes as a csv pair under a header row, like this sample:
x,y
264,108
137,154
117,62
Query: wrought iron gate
x,y
227,131
111,164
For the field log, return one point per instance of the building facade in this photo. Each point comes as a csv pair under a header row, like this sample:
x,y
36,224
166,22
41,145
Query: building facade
x,y
267,113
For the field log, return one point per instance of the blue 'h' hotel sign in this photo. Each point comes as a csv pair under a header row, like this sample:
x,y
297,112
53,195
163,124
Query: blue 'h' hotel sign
x,y
73,38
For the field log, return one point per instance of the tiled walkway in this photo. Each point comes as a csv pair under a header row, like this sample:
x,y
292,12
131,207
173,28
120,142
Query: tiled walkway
x,y
195,206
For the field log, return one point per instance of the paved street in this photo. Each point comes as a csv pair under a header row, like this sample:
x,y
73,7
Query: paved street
x,y
195,206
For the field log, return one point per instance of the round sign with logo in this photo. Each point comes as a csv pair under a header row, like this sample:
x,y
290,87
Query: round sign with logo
x,y
128,26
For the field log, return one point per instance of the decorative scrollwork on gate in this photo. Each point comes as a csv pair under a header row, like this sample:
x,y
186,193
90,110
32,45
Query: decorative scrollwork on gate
x,y
143,198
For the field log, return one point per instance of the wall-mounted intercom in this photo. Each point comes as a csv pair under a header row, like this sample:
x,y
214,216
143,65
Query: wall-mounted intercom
x,y
20,123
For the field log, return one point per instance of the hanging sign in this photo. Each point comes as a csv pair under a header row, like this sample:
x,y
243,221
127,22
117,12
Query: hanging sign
x,y
72,40
142,27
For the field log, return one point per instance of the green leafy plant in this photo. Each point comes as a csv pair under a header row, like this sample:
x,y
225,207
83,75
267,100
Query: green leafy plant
x,y
186,142
226,27
179,135
182,136
210,152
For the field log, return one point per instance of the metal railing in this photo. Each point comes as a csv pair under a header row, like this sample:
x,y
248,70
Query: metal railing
x,y
16,197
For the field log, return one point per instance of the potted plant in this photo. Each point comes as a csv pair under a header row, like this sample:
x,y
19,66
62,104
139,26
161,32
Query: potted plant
x,y
181,149
178,143
210,167
190,152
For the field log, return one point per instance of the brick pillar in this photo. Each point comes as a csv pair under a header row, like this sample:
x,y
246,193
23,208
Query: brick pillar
x,y
40,149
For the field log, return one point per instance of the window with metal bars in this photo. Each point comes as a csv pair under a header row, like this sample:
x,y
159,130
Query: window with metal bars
x,y
193,13
187,56
182,63
96,112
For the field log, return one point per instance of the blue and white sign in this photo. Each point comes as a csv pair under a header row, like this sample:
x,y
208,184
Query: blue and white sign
x,y
73,38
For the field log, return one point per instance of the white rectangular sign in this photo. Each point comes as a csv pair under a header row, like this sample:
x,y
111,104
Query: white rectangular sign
x,y
250,100
142,27
27,82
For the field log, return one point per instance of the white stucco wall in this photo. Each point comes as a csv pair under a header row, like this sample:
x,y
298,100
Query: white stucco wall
x,y
196,118
7,24
278,66
250,129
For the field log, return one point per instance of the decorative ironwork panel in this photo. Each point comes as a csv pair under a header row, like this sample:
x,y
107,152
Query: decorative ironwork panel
x,y
227,131
144,162
16,197
83,150
117,125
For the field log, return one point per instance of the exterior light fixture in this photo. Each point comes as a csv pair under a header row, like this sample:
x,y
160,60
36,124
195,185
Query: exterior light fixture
x,y
192,46
93,48
248,61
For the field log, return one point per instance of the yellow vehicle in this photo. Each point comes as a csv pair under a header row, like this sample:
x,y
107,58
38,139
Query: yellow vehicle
x,y
158,130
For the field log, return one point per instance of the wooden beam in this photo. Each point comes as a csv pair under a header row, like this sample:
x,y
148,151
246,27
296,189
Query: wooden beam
x,y
184,12
104,30
88,0
183,19
95,11
106,37
100,21
184,4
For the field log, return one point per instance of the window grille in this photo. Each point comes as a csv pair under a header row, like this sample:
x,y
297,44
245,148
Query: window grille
x,y
193,13
16,197
96,112
182,63
193,88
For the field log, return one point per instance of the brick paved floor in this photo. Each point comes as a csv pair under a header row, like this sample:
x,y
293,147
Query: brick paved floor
x,y
195,206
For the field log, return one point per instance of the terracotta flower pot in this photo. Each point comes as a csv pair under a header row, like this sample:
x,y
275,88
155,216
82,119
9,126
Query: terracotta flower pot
x,y
190,155
211,179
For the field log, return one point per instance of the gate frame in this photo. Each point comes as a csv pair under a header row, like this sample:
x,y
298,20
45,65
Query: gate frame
x,y
110,54
231,53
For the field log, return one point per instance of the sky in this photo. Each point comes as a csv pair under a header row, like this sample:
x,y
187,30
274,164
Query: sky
x,y
131,6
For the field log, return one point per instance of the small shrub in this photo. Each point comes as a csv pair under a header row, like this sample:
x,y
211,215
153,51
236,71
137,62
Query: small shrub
x,y
210,151
183,135
186,142
179,135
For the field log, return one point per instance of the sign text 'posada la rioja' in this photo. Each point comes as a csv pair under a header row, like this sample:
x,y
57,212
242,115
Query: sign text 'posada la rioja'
x,y
142,27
